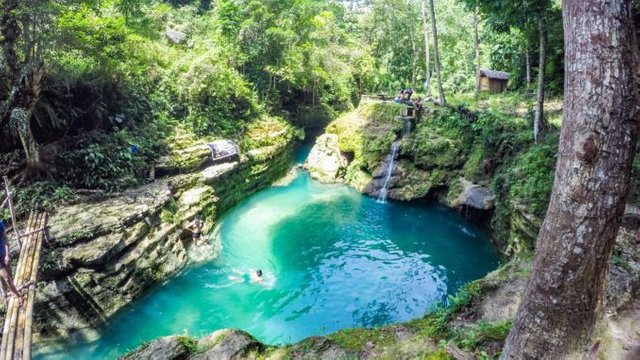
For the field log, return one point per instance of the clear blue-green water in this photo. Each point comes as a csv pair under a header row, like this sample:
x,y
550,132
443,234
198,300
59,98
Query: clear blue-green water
x,y
332,259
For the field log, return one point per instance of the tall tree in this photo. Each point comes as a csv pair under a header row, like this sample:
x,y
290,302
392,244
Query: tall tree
x,y
22,69
538,121
476,46
527,60
427,61
436,52
564,294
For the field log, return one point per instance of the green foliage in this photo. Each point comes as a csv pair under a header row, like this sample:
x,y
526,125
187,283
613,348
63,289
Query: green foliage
x,y
481,334
531,177
43,195
168,214
356,338
189,344
617,260
103,162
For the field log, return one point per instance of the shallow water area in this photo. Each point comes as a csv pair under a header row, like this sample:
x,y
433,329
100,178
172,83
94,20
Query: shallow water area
x,y
332,259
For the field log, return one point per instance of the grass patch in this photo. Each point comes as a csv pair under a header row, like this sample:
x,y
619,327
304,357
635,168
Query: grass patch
x,y
355,339
189,344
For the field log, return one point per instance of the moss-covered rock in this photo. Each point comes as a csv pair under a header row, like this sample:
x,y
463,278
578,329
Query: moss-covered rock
x,y
169,347
464,193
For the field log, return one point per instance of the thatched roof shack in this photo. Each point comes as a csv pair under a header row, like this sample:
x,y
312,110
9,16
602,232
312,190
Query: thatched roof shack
x,y
493,81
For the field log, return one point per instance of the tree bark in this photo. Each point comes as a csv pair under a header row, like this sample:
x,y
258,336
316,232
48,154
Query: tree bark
x,y
538,122
427,61
436,58
30,88
476,22
29,143
564,294
414,63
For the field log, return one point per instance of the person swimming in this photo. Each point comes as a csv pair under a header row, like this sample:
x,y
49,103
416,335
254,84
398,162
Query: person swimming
x,y
249,277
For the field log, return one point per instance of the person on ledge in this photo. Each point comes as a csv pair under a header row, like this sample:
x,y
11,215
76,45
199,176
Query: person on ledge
x,y
5,268
196,229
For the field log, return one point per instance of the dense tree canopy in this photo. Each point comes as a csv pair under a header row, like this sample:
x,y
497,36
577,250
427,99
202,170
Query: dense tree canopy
x,y
141,69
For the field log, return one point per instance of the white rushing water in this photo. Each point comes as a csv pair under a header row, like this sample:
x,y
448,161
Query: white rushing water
x,y
390,162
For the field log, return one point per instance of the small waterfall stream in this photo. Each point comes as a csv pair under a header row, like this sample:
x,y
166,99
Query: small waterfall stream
x,y
390,162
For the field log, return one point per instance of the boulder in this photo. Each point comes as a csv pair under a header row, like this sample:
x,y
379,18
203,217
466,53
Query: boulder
x,y
319,347
474,196
226,344
407,182
166,348
176,37
325,162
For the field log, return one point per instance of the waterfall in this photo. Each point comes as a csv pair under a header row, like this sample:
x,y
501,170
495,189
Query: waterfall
x,y
390,162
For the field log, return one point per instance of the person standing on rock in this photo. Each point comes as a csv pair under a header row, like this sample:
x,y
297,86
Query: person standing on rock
x,y
5,268
196,229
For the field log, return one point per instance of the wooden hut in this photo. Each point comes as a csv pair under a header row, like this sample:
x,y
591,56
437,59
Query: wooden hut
x,y
493,81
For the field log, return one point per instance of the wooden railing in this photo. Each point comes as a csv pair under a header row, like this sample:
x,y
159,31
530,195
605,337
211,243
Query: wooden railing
x,y
18,323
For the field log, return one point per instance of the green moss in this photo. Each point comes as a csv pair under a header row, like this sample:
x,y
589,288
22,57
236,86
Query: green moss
x,y
472,169
532,177
204,346
620,262
71,238
479,336
455,189
368,132
355,339
169,212
440,354
436,323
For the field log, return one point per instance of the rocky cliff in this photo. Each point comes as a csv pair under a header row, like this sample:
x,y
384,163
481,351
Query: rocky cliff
x,y
484,165
102,253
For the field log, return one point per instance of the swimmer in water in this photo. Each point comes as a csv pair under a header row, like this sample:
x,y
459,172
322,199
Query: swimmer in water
x,y
249,277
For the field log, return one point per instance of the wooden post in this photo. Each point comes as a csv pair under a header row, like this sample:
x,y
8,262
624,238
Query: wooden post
x,y
28,328
12,211
8,334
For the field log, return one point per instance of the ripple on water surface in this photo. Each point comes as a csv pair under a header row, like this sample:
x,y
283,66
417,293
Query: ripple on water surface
x,y
332,258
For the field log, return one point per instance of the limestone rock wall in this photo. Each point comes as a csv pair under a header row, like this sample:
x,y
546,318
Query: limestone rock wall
x,y
326,162
103,254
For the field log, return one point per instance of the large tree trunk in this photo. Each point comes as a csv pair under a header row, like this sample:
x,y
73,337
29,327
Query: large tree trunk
x,y
538,121
10,32
476,46
30,88
436,52
31,148
427,61
564,294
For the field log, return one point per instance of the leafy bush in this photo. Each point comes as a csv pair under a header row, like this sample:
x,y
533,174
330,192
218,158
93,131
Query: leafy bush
x,y
216,97
110,163
189,344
